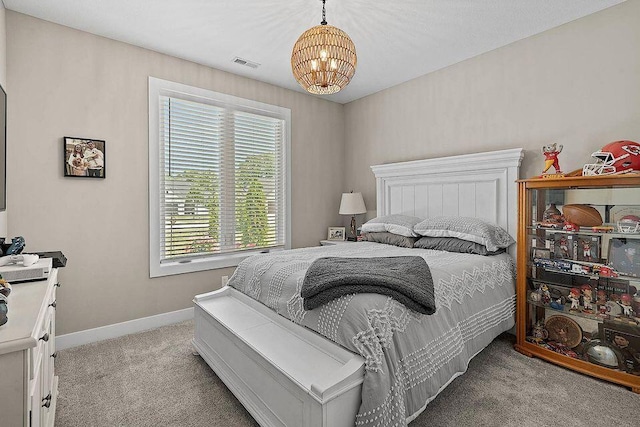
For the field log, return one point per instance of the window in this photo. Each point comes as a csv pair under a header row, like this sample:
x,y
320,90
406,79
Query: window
x,y
218,178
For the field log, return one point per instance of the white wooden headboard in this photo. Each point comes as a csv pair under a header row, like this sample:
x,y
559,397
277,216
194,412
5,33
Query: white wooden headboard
x,y
481,185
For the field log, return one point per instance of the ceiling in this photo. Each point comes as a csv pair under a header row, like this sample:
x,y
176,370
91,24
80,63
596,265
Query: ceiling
x,y
396,41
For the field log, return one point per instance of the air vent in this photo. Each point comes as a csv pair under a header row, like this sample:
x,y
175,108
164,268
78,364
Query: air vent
x,y
245,62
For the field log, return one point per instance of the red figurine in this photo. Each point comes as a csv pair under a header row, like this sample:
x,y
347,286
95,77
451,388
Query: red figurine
x,y
625,302
586,250
602,303
587,293
551,152
546,294
564,247
574,296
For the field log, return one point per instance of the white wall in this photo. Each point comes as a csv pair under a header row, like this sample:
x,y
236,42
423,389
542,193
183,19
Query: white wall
x,y
577,85
66,82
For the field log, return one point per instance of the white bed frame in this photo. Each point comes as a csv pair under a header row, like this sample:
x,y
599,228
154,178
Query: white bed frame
x,y
287,375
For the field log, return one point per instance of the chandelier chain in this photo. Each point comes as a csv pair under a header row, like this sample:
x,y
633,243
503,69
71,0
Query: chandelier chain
x,y
324,19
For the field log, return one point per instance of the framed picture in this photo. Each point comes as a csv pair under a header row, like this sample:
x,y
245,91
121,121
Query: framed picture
x,y
588,248
563,246
541,253
624,255
84,158
336,233
626,341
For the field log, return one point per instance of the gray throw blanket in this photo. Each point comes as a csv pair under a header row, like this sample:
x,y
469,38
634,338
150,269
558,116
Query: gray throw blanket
x,y
407,279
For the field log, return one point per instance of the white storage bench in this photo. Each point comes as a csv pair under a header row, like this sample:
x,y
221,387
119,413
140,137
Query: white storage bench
x,y
284,374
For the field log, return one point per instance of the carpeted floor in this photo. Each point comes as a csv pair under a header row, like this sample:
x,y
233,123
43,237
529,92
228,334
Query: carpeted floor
x,y
153,379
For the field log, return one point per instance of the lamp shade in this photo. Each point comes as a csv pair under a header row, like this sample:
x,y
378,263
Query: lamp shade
x,y
352,204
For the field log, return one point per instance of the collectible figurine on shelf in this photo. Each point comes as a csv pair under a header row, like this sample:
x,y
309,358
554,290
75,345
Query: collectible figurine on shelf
x,y
564,247
552,217
551,213
625,302
536,295
539,333
586,249
574,296
601,302
550,153
557,304
587,294
614,308
545,294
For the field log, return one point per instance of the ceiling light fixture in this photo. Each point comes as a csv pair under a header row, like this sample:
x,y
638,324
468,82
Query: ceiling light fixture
x,y
324,58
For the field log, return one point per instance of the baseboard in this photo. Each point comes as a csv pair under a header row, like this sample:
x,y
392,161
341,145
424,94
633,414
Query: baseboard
x,y
116,330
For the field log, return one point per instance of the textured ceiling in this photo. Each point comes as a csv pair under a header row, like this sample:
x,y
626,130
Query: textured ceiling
x,y
396,41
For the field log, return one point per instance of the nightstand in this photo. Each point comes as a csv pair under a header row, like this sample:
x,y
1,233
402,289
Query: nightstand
x,y
334,242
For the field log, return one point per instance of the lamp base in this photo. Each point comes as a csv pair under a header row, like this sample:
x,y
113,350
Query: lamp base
x,y
352,237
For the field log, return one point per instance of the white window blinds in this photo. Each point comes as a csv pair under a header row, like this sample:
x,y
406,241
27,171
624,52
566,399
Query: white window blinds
x,y
222,179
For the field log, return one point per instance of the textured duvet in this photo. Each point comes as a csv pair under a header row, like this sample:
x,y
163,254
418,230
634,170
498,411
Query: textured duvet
x,y
409,357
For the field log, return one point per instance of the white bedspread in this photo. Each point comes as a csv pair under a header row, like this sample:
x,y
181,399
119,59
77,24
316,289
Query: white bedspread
x,y
409,357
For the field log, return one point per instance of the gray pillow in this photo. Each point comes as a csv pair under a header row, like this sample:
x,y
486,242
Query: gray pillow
x,y
451,244
471,229
396,224
390,239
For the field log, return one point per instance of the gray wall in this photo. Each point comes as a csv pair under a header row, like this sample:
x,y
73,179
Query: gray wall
x,y
70,83
3,82
577,85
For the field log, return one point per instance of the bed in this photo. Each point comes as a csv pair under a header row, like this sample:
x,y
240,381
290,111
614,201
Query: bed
x,y
366,359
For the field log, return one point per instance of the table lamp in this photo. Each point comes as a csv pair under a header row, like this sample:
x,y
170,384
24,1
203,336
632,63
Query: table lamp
x,y
352,204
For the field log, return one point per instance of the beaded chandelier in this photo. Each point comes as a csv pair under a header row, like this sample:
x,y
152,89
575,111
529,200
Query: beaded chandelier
x,y
324,58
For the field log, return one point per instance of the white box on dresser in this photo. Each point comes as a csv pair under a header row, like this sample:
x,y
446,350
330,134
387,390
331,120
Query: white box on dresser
x,y
28,384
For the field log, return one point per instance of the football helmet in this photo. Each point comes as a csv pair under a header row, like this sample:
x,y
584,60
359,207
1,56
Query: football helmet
x,y
629,224
615,157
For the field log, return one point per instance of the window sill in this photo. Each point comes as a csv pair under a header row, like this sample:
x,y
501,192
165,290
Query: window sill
x,y
202,264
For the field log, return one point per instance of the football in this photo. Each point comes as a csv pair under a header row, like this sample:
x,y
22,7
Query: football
x,y
582,215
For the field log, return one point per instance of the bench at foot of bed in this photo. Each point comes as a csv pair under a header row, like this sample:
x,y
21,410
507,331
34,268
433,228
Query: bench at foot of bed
x,y
284,374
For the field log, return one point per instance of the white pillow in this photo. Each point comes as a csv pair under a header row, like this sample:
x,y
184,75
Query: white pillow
x,y
470,229
396,224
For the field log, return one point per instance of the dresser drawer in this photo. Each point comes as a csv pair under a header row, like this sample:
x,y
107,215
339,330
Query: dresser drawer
x,y
28,383
44,336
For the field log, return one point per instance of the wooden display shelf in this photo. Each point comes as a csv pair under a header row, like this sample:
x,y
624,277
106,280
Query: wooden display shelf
x,y
528,312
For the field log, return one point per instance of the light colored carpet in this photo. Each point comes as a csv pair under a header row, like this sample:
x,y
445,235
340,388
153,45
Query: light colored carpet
x,y
153,379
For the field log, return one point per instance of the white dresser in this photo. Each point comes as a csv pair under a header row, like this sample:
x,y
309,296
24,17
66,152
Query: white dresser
x,y
28,385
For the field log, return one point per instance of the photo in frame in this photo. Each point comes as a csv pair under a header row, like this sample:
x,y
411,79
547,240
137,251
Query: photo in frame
x,y
625,340
336,233
563,246
541,253
624,255
588,248
84,158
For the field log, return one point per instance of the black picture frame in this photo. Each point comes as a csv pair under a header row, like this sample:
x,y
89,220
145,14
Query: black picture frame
x,y
87,161
541,253
624,339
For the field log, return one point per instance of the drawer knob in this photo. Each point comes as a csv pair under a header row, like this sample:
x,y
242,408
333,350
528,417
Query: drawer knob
x,y
54,355
53,304
45,337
